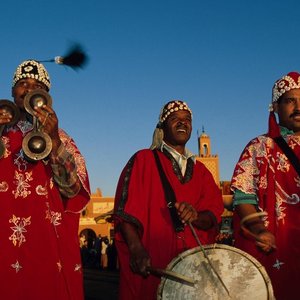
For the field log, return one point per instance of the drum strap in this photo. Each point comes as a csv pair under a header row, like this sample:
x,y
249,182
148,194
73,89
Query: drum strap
x,y
280,141
169,195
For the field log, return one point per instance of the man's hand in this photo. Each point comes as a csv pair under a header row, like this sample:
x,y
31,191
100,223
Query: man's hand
x,y
5,116
200,219
186,212
254,226
139,257
49,122
139,260
266,241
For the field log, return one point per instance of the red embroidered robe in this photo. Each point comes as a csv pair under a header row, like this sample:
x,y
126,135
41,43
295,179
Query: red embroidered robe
x,y
40,256
140,199
264,170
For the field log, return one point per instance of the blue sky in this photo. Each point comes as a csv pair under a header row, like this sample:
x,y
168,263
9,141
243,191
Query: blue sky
x,y
222,57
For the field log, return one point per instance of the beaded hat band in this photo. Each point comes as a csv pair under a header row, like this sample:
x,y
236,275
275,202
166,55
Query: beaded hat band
x,y
172,106
32,69
286,83
168,109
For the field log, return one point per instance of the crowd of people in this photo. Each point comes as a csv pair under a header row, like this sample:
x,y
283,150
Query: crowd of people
x,y
166,200
98,253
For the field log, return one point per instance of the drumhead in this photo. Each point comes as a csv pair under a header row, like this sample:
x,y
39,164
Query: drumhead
x,y
244,277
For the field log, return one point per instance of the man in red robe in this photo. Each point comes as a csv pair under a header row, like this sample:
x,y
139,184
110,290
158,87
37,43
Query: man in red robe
x,y
145,235
40,200
265,182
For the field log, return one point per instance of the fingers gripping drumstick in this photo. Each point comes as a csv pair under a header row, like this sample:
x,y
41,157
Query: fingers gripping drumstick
x,y
247,231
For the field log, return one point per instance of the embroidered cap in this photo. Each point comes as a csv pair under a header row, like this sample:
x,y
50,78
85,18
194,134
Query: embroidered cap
x,y
172,106
169,108
286,83
32,69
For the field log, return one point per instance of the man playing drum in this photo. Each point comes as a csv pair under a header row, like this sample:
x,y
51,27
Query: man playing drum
x,y
266,181
150,215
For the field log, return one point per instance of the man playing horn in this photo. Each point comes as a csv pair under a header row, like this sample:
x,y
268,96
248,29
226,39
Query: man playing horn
x,y
40,203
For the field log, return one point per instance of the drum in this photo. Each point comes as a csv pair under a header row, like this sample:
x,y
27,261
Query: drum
x,y
243,276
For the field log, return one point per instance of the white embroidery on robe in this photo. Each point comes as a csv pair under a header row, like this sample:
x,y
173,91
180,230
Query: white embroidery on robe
x,y
20,223
292,144
41,190
263,182
16,266
285,197
293,199
7,151
59,266
79,160
46,162
12,129
282,161
53,216
22,184
264,218
278,264
20,162
77,268
297,180
281,195
3,186
24,126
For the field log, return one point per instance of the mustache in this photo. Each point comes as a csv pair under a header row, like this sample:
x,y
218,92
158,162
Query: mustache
x,y
295,113
182,126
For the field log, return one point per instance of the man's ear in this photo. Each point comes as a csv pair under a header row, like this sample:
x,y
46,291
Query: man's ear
x,y
162,125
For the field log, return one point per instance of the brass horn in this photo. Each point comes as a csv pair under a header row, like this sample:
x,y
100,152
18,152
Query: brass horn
x,y
8,107
37,144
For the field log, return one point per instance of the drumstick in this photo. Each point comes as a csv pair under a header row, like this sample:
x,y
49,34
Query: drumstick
x,y
207,258
171,275
251,216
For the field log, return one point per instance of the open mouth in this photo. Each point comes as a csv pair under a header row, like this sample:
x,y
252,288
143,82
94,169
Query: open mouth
x,y
181,130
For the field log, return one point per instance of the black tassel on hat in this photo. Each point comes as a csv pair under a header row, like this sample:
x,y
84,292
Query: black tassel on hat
x,y
75,58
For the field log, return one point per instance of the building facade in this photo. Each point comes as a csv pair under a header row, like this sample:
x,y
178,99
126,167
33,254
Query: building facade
x,y
95,220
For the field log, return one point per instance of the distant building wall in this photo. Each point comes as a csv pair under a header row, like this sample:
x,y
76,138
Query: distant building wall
x,y
98,206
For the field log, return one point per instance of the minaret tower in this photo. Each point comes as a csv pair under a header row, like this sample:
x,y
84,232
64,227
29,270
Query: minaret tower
x,y
210,161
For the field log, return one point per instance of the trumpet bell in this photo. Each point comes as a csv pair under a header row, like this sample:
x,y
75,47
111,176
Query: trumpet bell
x,y
37,145
36,98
